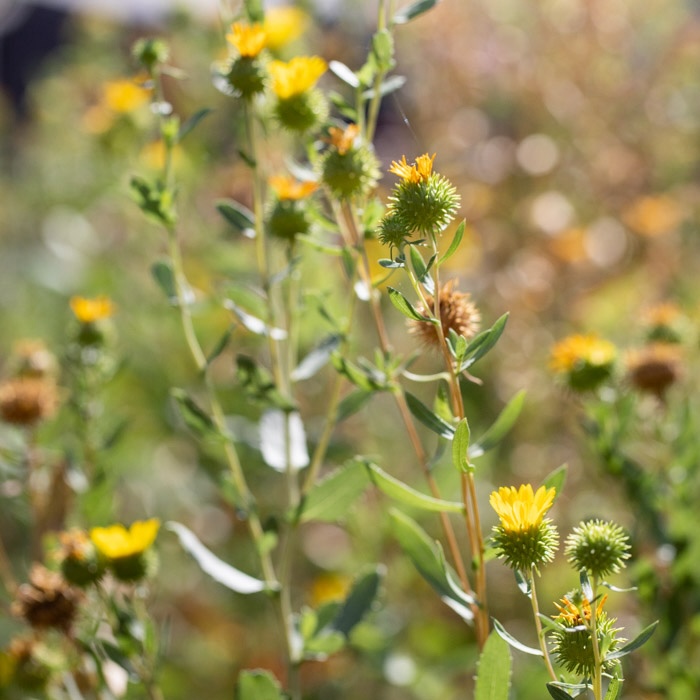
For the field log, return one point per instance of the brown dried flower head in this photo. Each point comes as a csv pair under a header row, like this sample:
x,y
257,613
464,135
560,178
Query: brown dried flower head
x,y
654,368
47,600
457,312
25,401
31,358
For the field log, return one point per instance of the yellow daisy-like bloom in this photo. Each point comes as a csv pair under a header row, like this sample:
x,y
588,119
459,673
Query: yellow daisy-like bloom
x,y
416,172
343,139
116,542
663,314
521,509
249,39
287,188
297,76
571,614
283,25
570,352
91,310
124,96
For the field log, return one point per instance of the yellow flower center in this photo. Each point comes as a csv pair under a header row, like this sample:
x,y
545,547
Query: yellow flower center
x,y
91,310
414,172
249,39
521,509
286,187
116,542
571,351
297,76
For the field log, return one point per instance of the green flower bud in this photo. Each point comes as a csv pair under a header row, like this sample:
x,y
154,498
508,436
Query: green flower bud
x,y
150,52
349,168
597,547
287,219
304,111
246,76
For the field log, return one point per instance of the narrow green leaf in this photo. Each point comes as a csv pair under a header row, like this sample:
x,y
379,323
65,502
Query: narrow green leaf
x,y
454,245
210,564
556,480
557,693
617,589
352,403
357,376
406,14
637,642
391,264
196,419
614,689
460,447
391,84
396,489
484,342
417,261
162,272
404,305
493,677
240,217
190,123
428,418
329,499
501,630
344,73
317,358
500,428
383,49
258,685
358,602
220,346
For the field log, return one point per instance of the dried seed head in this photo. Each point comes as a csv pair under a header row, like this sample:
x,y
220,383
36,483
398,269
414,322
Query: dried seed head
x,y
654,368
27,401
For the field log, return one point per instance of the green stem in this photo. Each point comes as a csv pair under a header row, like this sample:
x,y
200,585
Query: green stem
x,y
538,625
597,661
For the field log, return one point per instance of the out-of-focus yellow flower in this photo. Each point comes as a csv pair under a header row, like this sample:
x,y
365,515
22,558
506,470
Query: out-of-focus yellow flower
x,y
653,216
91,310
287,188
297,76
343,139
521,509
116,542
574,350
661,314
415,172
249,39
329,587
283,25
124,96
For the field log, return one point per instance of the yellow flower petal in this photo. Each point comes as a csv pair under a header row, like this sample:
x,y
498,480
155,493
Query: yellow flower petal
x,y
91,310
249,39
116,542
297,76
521,509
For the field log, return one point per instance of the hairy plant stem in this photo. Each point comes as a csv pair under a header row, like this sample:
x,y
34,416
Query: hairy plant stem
x,y
350,229
538,625
597,661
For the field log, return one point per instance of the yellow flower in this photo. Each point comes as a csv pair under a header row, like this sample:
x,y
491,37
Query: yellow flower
x,y
653,216
283,25
297,76
288,188
249,39
573,616
116,542
521,509
415,172
124,96
91,310
575,350
343,139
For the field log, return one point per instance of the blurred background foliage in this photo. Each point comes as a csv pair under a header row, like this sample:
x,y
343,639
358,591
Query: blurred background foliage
x,y
570,128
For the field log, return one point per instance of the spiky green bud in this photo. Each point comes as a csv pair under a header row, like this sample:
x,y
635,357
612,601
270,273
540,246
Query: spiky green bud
x,y
246,76
597,547
304,111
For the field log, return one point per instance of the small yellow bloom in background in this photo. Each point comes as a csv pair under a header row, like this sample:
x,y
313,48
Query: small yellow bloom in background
x,y
248,39
124,96
297,76
653,215
287,188
116,542
91,310
329,587
521,509
416,172
283,25
575,349
343,139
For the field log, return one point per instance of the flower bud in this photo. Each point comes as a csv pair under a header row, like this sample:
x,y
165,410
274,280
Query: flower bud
x,y
598,548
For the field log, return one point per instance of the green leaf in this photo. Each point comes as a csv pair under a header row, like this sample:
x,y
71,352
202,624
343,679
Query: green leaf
x,y
162,272
155,200
258,685
483,343
220,346
614,689
196,419
493,677
500,428
454,245
556,480
404,305
460,447
329,499
192,122
501,630
319,245
254,10
403,493
557,693
359,377
390,264
317,358
637,642
421,269
428,559
392,84
383,50
358,602
240,217
210,564
352,403
406,14
344,73
428,418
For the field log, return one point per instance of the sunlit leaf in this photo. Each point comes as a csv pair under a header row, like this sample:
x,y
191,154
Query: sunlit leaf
x,y
494,670
358,602
500,428
428,418
258,684
239,216
283,440
317,358
190,123
162,272
195,417
344,73
557,693
556,480
514,642
404,305
483,342
416,9
460,447
454,245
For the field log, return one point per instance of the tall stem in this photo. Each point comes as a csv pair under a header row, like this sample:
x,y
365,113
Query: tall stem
x,y
538,625
597,662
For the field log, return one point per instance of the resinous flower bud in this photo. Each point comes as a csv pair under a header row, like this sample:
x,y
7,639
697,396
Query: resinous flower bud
x,y
585,361
127,552
349,167
78,558
524,538
93,316
597,547
422,201
288,215
246,74
572,643
299,105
